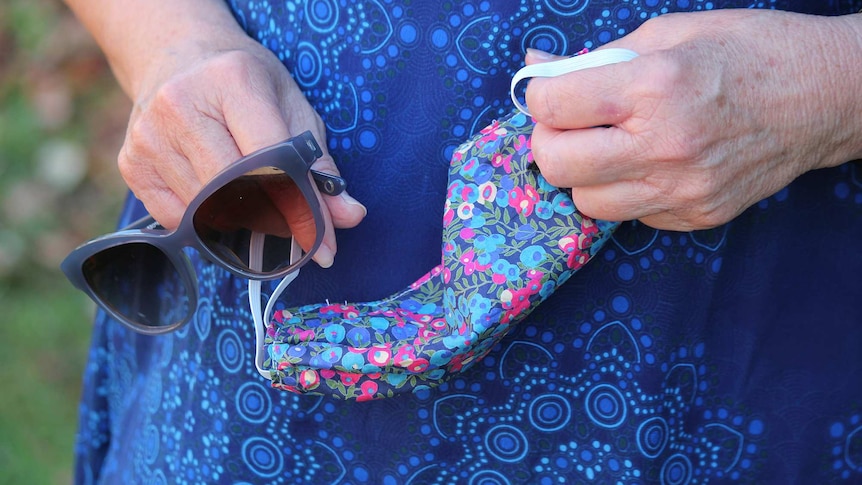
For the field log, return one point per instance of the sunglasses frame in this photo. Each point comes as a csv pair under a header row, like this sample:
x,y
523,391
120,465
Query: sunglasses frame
x,y
293,156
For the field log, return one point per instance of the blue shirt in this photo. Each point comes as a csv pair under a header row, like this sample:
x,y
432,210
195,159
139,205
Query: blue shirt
x,y
720,356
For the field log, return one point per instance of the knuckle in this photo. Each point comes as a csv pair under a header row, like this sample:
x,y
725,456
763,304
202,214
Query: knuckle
x,y
549,166
540,101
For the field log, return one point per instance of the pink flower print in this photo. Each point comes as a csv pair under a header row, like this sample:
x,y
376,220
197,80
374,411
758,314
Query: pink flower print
x,y
439,324
470,193
505,161
487,192
454,188
588,228
309,379
578,259
466,233
572,246
531,194
418,366
447,275
467,259
424,335
404,356
349,378
523,199
469,166
327,373
533,286
367,390
522,144
379,355
457,155
491,129
535,275
515,301
448,216
281,315
465,211
303,335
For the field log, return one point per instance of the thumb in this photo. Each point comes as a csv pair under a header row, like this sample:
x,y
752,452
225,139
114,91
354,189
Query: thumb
x,y
536,56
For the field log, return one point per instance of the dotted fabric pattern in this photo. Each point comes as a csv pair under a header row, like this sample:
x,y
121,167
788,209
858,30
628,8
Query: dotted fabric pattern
x,y
722,356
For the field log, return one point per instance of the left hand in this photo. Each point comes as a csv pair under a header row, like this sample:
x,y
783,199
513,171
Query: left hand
x,y
720,110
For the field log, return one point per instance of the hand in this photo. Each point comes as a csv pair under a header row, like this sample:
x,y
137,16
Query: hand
x,y
720,110
203,106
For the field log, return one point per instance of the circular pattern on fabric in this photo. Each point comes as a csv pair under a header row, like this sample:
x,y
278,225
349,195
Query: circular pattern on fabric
x,y
550,412
506,443
322,14
606,406
488,477
676,470
262,457
158,478
203,318
567,7
546,38
151,444
253,402
229,351
652,436
308,65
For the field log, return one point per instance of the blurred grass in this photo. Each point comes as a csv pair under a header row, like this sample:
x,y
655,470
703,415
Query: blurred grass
x,y
62,120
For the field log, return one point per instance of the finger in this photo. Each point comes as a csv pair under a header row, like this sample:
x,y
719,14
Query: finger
x,y
160,200
591,97
536,56
586,157
161,170
344,210
256,119
624,201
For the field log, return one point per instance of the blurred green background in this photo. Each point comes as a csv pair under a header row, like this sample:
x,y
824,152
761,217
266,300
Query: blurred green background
x,y
62,120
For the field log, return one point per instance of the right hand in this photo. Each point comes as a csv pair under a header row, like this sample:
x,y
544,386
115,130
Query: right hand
x,y
204,105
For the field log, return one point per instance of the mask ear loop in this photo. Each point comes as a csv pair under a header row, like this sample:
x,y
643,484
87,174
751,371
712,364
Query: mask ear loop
x,y
564,66
255,262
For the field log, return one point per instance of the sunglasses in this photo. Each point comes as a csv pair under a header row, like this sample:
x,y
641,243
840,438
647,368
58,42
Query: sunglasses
x,y
241,220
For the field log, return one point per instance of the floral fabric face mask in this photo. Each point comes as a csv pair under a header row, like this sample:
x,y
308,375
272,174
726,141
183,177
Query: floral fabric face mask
x,y
509,240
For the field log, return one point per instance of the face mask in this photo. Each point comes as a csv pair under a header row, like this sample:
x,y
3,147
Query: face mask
x,y
509,240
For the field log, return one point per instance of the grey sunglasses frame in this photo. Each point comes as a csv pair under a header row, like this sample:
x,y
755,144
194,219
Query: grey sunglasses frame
x,y
294,156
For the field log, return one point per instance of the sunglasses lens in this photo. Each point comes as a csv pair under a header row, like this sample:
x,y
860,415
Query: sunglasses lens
x,y
266,201
140,283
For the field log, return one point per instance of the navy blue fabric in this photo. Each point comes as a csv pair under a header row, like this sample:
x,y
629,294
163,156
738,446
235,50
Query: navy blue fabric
x,y
721,356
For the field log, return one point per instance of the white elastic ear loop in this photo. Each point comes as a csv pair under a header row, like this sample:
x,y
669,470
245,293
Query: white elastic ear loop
x,y
570,64
255,261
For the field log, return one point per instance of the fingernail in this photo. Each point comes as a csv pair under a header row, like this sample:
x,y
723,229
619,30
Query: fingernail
x,y
324,256
539,54
351,201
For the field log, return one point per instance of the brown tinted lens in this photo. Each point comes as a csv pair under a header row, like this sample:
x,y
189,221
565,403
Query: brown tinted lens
x,y
139,282
266,201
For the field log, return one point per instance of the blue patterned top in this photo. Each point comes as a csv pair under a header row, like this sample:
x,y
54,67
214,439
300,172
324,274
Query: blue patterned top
x,y
719,356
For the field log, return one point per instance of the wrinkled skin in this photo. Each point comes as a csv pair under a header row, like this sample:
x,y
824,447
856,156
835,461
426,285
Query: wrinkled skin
x,y
720,110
